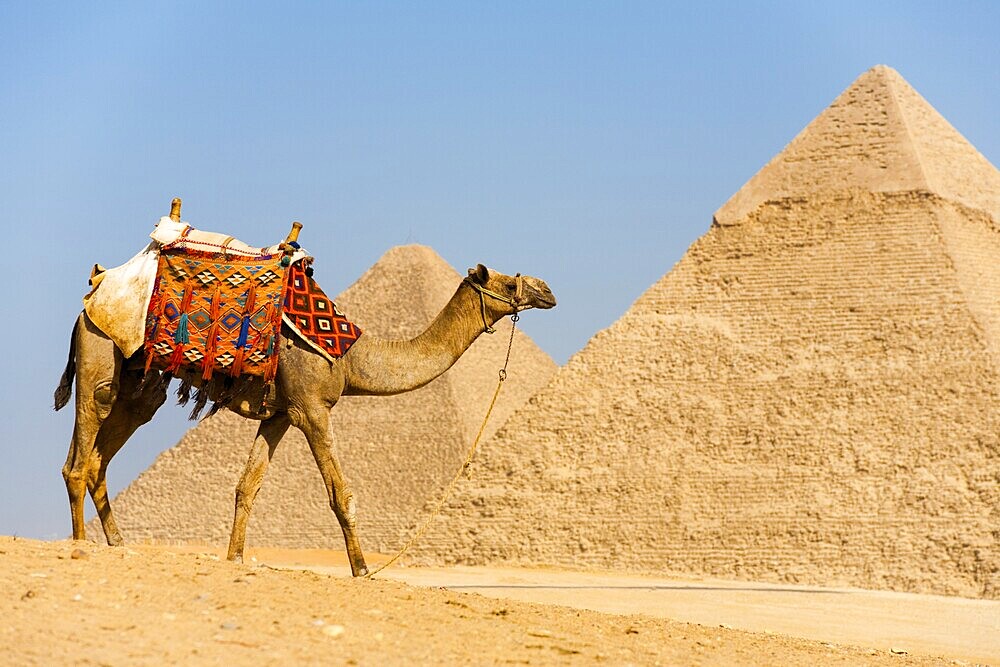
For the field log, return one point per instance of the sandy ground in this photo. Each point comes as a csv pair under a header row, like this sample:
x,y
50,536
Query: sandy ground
x,y
927,624
78,603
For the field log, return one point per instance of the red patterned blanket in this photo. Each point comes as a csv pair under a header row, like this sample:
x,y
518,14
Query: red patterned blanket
x,y
316,318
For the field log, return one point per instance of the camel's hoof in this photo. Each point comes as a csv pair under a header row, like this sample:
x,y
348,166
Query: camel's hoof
x,y
116,541
363,572
236,558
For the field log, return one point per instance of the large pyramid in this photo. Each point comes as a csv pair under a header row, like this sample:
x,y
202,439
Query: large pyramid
x,y
812,394
398,452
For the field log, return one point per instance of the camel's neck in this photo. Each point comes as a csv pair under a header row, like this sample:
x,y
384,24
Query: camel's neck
x,y
382,367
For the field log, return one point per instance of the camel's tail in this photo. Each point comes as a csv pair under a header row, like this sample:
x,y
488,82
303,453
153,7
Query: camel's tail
x,y
65,388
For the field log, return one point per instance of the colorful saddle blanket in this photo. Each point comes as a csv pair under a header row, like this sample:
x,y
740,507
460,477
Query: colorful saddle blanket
x,y
215,314
212,313
316,318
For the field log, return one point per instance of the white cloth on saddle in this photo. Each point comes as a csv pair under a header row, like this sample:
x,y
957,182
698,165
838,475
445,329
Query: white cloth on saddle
x,y
118,305
168,231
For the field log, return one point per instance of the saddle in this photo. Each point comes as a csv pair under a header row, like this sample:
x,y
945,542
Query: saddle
x,y
210,308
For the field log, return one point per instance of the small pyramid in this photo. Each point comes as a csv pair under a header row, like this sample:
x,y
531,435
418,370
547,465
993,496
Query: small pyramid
x,y
398,452
811,395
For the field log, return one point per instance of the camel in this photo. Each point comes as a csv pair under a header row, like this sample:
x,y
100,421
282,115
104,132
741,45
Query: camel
x,y
113,400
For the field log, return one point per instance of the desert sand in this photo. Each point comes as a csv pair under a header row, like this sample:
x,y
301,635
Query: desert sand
x,y
77,603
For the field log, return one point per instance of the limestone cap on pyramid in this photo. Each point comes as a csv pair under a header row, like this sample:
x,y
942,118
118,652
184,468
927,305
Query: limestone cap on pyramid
x,y
879,135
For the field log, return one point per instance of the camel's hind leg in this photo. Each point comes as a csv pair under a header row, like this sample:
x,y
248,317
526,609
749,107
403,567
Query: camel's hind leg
x,y
98,365
127,414
315,423
269,434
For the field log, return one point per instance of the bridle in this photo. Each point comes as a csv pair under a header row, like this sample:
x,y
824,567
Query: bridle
x,y
514,302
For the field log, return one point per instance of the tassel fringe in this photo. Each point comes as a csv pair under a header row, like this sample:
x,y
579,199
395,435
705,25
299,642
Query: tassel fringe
x,y
241,343
200,401
184,392
211,338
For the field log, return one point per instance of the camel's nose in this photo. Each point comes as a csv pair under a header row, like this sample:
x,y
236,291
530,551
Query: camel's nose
x,y
545,297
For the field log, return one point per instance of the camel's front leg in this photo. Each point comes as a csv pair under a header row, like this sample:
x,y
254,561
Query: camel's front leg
x,y
315,423
269,434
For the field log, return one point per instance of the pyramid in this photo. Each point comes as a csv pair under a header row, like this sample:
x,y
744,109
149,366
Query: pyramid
x,y
398,452
811,395
879,136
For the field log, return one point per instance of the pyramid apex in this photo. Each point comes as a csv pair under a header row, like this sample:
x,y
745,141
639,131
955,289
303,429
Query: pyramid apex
x,y
411,251
879,135
886,75
883,69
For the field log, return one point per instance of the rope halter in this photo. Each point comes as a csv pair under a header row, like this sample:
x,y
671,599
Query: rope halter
x,y
514,302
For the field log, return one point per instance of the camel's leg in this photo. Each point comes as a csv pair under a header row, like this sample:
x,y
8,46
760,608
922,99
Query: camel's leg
x,y
97,368
99,493
269,434
127,415
315,423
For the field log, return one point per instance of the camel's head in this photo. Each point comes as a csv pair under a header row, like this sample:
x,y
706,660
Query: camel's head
x,y
515,292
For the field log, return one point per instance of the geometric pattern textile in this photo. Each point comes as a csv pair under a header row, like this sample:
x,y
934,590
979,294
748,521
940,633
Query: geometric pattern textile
x,y
315,317
215,313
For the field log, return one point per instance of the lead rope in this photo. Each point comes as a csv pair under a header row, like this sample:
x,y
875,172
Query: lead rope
x,y
468,460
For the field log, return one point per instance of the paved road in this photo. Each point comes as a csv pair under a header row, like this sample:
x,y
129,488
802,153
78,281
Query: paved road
x,y
959,628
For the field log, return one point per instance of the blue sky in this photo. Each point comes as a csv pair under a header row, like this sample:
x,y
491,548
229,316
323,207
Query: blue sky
x,y
584,143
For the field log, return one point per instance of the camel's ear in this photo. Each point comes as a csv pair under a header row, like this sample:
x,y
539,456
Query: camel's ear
x,y
480,274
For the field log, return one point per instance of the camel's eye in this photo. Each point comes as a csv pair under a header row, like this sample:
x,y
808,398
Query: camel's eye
x,y
511,288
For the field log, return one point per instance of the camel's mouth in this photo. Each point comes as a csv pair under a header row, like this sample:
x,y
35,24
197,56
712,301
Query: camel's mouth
x,y
546,302
540,296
